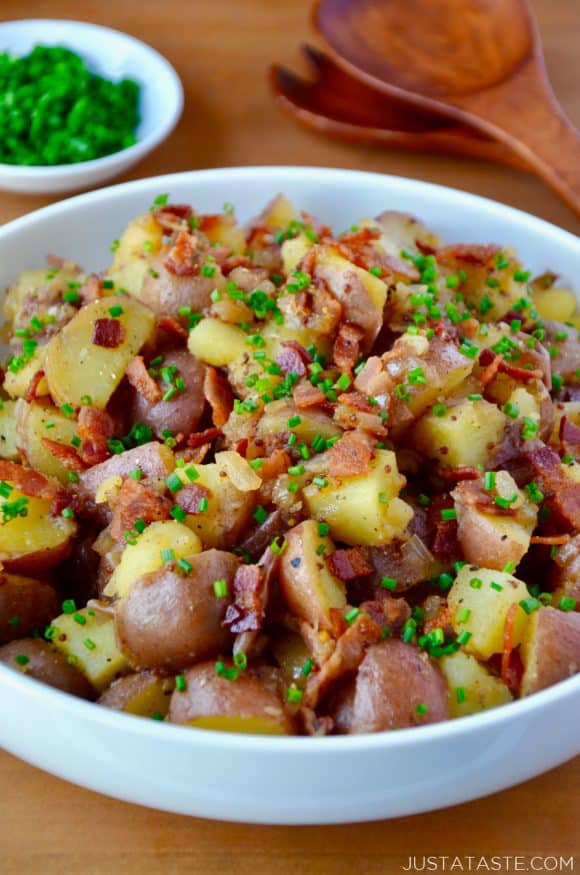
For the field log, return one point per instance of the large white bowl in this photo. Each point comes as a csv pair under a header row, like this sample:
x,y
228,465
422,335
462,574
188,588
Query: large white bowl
x,y
112,54
285,780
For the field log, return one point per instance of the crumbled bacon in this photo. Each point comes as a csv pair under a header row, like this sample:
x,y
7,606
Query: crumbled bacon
x,y
91,289
141,380
182,257
172,216
31,391
65,454
351,455
562,493
293,358
373,380
491,364
387,611
274,465
190,495
63,498
349,563
347,346
306,395
171,325
461,472
246,612
94,428
29,482
470,253
199,438
443,619
108,333
346,657
550,540
218,394
137,501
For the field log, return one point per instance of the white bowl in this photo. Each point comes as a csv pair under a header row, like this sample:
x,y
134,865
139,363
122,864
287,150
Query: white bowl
x,y
112,54
266,779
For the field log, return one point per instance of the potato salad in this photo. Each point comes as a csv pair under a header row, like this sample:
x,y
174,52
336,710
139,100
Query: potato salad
x,y
283,478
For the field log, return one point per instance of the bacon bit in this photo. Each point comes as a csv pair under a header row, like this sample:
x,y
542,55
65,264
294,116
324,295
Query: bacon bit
x,y
445,543
246,612
63,498
346,657
491,366
241,447
170,325
349,563
180,211
520,373
199,438
314,725
29,482
293,358
568,434
190,495
562,493
462,472
319,228
91,289
197,455
338,624
351,456
346,350
181,259
30,394
373,380
470,253
93,422
306,395
259,237
470,328
65,454
93,451
393,612
277,463
357,400
425,248
141,380
137,501
443,619
233,261
550,539
108,333
218,394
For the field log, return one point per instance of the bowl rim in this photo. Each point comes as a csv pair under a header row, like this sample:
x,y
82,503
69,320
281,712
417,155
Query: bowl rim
x,y
32,689
132,153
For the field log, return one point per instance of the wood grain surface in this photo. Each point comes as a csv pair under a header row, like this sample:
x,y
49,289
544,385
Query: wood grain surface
x,y
221,49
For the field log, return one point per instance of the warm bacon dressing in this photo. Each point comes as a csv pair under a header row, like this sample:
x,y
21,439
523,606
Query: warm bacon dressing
x,y
282,480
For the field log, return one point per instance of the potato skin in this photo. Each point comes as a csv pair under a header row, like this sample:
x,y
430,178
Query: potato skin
x,y
47,665
143,694
393,680
33,602
208,695
552,650
169,621
165,292
183,412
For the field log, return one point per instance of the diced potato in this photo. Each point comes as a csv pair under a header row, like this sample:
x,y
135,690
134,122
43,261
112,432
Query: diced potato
x,y
143,694
232,486
400,231
328,258
491,539
17,383
8,447
54,281
278,213
570,409
37,541
217,343
365,509
145,555
293,251
35,422
291,654
75,366
481,610
312,422
223,230
527,404
464,435
308,587
141,240
471,686
557,304
90,646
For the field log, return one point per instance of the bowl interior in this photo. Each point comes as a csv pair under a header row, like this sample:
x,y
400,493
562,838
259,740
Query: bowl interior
x,y
108,53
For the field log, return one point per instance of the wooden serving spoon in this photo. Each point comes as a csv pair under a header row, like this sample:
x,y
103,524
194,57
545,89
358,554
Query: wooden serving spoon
x,y
478,61
335,103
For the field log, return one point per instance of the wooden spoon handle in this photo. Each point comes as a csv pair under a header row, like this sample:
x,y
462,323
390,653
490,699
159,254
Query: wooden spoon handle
x,y
529,119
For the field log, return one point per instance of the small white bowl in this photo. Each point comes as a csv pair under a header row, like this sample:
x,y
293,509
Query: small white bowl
x,y
112,54
267,779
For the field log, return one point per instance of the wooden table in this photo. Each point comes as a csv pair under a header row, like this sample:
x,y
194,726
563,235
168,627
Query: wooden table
x,y
221,48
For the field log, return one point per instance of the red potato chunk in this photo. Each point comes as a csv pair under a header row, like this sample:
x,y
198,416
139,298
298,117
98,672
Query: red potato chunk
x,y
184,410
397,686
552,650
